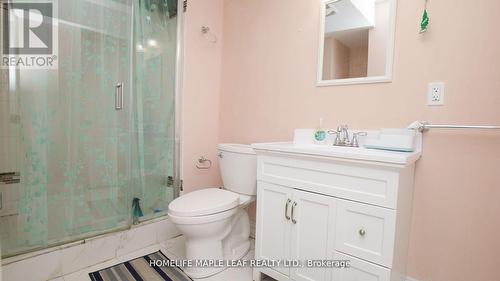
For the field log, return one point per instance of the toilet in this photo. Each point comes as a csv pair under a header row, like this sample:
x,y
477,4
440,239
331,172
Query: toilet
x,y
214,221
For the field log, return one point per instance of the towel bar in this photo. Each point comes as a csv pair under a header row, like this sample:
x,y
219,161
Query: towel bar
x,y
425,126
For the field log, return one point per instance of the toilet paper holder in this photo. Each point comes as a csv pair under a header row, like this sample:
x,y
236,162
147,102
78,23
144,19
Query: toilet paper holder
x,y
204,163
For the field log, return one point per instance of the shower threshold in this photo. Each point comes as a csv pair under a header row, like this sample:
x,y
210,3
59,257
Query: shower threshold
x,y
77,240
73,257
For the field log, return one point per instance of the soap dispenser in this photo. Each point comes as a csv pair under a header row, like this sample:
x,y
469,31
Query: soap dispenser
x,y
320,133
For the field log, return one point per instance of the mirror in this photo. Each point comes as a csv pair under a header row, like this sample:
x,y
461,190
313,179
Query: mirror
x,y
356,41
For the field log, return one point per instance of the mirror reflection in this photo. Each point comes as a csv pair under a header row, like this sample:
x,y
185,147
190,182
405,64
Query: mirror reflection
x,y
357,36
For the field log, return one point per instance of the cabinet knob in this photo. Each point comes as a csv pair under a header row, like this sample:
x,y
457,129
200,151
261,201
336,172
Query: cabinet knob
x,y
362,232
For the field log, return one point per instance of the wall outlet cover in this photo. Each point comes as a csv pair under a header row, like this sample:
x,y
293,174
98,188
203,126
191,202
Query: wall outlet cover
x,y
435,93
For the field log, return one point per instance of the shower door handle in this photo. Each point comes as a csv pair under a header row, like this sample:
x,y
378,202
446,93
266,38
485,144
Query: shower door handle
x,y
119,96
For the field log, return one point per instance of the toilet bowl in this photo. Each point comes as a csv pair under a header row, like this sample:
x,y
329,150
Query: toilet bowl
x,y
214,221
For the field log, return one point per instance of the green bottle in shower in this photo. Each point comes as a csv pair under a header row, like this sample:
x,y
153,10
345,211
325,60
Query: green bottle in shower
x,y
136,210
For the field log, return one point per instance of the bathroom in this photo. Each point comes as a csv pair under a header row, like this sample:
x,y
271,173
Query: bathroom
x,y
145,92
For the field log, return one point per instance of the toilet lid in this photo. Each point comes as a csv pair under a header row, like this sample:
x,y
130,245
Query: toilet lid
x,y
204,202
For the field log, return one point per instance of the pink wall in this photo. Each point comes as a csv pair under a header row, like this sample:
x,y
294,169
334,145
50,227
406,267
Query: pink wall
x,y
335,59
340,61
201,91
358,61
268,89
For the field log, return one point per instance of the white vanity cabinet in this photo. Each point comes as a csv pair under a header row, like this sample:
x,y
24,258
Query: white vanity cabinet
x,y
325,204
303,228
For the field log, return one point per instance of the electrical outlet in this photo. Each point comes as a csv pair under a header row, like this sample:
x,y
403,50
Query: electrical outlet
x,y
435,94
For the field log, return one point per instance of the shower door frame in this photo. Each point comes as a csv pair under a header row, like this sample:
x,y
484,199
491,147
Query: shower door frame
x,y
179,80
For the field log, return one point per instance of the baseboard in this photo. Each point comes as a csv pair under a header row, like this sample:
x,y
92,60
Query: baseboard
x,y
411,279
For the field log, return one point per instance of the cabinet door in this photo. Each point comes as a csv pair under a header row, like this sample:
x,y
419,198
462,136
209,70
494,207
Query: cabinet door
x,y
313,228
272,241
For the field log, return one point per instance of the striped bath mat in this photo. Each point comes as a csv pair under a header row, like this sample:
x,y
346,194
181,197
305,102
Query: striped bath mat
x,y
139,269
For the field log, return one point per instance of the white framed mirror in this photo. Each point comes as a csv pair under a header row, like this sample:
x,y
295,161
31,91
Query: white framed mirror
x,y
356,42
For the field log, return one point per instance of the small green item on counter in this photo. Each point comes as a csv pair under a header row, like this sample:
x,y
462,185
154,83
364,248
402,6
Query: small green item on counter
x,y
320,134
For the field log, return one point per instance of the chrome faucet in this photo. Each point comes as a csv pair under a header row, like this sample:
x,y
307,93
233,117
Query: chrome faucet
x,y
343,138
341,135
344,132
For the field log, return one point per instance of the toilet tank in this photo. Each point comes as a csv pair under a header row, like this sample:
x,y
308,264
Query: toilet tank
x,y
238,167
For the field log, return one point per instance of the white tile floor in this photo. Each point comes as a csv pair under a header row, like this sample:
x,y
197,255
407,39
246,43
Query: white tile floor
x,y
173,248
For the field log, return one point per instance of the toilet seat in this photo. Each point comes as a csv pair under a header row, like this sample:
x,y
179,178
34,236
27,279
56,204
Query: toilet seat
x,y
204,202
203,219
207,205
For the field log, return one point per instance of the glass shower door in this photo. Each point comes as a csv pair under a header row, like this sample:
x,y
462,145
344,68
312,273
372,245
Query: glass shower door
x,y
89,137
155,57
72,140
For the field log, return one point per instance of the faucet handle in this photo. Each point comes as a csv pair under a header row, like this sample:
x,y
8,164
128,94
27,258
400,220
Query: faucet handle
x,y
361,134
337,134
355,140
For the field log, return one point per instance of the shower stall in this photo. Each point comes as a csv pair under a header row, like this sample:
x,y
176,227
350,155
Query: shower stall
x,y
80,143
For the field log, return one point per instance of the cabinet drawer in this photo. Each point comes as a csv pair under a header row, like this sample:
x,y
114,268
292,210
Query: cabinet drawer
x,y
366,232
359,270
361,182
